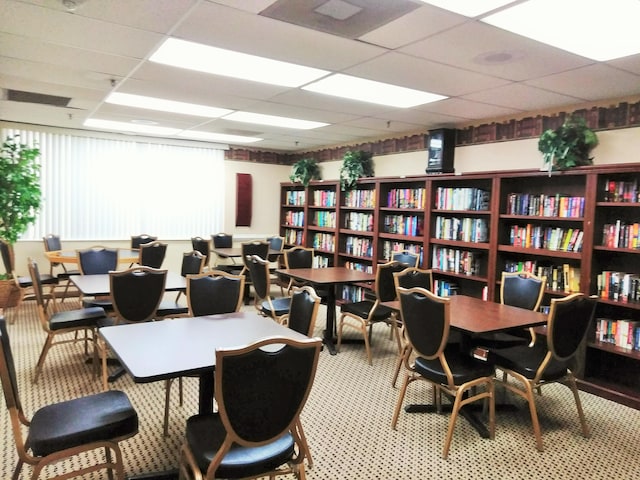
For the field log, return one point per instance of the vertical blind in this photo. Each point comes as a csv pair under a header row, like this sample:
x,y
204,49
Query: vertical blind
x,y
106,189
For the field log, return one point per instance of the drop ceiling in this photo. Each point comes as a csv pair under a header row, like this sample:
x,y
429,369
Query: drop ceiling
x,y
48,51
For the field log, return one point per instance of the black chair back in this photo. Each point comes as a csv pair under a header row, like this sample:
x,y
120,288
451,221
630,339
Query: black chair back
x,y
6,250
299,257
303,310
275,244
222,240
8,372
261,249
202,245
259,274
36,281
138,240
192,263
280,381
569,321
152,254
97,260
521,290
409,259
414,277
52,243
426,320
214,293
385,285
137,292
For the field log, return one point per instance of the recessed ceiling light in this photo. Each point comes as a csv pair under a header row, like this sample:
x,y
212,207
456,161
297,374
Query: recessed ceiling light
x,y
217,137
600,31
468,8
130,127
203,58
355,88
273,120
163,105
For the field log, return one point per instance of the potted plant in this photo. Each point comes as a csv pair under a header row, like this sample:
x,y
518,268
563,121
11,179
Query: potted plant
x,y
20,197
305,170
569,145
355,165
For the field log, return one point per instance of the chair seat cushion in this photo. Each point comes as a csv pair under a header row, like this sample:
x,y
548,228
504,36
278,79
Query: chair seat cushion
x,y
463,367
205,434
45,279
103,416
84,317
169,307
104,303
526,360
280,305
362,309
67,274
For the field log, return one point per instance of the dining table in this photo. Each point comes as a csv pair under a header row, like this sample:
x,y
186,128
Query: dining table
x,y
236,252
125,255
98,285
471,316
331,278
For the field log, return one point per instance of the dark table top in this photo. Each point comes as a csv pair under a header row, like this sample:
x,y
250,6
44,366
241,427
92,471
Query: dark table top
x,y
328,275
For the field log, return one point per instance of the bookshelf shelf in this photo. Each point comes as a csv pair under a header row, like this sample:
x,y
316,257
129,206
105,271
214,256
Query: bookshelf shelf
x,y
461,244
540,252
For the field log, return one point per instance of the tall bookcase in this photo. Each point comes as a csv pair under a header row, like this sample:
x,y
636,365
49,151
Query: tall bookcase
x,y
579,228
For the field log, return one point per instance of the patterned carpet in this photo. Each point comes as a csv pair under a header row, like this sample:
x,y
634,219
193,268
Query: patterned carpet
x,y
347,421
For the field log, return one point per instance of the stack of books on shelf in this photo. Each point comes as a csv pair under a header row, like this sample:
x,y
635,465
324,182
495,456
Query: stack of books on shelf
x,y
324,198
359,247
295,197
465,229
354,293
536,236
621,235
621,191
293,237
406,198
360,198
362,222
320,261
389,247
409,225
456,261
560,278
467,198
325,242
542,205
324,219
619,286
294,218
361,267
621,333
444,288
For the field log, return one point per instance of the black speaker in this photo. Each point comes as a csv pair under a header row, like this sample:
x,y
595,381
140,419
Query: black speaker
x,y
441,148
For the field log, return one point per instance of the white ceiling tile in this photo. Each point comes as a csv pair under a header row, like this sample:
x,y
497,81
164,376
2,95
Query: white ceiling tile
x,y
522,97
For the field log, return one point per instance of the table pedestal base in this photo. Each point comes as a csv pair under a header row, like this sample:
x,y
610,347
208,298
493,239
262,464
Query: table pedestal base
x,y
169,475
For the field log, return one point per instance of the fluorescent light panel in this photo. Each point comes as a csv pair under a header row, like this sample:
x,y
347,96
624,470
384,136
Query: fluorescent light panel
x,y
346,86
594,29
274,121
162,105
218,61
468,8
217,137
130,127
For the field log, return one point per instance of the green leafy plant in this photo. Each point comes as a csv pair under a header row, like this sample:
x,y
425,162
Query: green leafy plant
x,y
569,145
355,165
305,170
20,192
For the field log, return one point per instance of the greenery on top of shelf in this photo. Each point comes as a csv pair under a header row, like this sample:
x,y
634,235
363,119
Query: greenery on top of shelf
x,y
305,170
355,165
569,145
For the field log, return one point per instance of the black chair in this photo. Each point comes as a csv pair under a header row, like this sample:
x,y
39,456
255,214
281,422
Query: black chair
x,y
410,259
138,240
449,369
253,435
222,240
258,269
303,310
62,324
97,261
192,264
548,362
52,243
152,254
362,315
297,257
203,246
66,429
210,293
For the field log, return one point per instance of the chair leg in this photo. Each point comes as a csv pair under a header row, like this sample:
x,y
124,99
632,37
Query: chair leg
x,y
167,399
571,383
452,422
305,445
403,391
43,355
340,326
534,415
367,344
396,373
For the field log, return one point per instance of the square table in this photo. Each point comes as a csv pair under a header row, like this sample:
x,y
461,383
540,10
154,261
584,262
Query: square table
x,y
330,277
98,285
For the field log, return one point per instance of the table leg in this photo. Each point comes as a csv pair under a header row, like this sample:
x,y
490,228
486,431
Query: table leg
x,y
331,320
205,392
469,412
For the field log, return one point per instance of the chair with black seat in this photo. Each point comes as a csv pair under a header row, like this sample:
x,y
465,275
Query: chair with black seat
x,y
276,244
192,264
303,310
253,435
210,293
258,270
60,325
254,247
97,260
548,361
450,370
52,243
64,430
203,246
223,240
152,254
138,240
297,257
362,315
410,259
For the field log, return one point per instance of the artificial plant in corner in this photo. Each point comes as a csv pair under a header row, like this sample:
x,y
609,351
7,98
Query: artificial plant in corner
x,y
355,165
305,170
569,145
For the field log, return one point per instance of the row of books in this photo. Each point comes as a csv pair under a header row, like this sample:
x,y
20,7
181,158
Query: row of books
x,y
359,246
362,222
388,247
463,198
619,286
294,218
320,261
324,198
621,333
295,197
621,191
550,238
360,198
406,198
325,242
456,261
293,237
560,277
353,293
361,267
444,288
324,219
542,205
621,235
465,229
410,225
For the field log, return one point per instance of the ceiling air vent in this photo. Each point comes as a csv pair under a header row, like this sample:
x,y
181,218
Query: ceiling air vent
x,y
40,98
